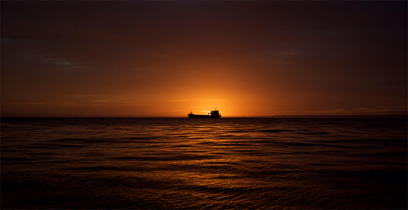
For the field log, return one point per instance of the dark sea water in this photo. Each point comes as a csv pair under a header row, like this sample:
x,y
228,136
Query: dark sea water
x,y
179,163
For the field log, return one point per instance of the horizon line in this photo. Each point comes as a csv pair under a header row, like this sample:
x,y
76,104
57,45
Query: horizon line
x,y
269,116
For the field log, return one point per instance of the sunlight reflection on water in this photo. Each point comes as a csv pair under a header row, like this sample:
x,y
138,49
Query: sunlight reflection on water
x,y
186,163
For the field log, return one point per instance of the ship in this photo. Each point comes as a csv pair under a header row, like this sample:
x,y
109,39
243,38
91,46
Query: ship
x,y
213,114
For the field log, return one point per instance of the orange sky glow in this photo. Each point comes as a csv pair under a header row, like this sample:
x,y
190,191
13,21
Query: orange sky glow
x,y
165,59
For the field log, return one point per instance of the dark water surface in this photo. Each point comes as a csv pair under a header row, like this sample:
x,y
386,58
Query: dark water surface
x,y
168,163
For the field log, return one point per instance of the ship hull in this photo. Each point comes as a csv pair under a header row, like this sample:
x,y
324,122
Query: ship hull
x,y
202,116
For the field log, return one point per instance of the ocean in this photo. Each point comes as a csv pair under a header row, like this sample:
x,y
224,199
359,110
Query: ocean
x,y
227,163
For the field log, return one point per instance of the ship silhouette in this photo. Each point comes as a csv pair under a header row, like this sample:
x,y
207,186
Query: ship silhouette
x,y
213,114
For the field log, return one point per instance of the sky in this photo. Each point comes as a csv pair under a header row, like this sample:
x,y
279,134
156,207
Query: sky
x,y
165,58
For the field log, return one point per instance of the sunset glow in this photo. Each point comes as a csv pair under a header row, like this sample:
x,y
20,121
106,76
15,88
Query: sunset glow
x,y
153,59
204,104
